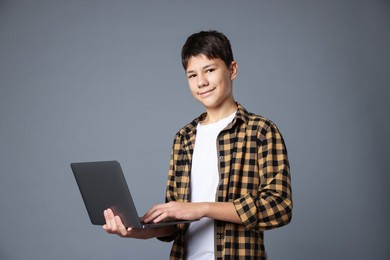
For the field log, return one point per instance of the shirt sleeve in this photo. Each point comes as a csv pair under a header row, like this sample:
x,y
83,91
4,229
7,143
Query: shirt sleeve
x,y
272,207
178,179
172,189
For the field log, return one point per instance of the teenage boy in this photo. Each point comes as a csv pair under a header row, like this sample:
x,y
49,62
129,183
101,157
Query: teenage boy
x,y
228,168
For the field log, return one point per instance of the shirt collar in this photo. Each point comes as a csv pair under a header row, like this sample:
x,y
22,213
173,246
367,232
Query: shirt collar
x,y
241,115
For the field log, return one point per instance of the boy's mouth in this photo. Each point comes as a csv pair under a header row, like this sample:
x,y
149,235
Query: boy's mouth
x,y
206,93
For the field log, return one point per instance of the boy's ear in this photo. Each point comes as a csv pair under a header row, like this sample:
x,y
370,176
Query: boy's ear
x,y
233,70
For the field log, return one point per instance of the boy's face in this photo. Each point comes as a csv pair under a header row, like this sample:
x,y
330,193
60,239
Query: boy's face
x,y
210,81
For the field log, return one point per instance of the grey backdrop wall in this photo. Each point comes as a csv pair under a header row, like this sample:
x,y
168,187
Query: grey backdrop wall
x,y
98,80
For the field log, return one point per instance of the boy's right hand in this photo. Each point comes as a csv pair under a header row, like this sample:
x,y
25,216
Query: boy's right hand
x,y
115,226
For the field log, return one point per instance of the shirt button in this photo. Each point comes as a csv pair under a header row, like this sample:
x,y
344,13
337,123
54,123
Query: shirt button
x,y
218,236
221,157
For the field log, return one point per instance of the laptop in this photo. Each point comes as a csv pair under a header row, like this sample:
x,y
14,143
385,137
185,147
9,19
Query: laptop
x,y
102,185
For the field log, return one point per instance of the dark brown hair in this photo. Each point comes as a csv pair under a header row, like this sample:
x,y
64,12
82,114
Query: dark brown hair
x,y
212,44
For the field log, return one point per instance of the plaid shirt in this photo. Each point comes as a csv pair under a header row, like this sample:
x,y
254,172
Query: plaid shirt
x,y
254,175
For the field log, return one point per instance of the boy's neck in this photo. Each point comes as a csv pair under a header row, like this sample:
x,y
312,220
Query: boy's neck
x,y
216,114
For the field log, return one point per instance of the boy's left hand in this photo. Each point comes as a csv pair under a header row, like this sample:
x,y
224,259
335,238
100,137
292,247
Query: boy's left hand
x,y
174,210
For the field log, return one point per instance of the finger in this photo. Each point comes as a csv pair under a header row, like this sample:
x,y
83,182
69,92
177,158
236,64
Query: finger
x,y
160,217
154,212
149,213
114,226
148,216
106,226
111,221
152,216
121,228
108,215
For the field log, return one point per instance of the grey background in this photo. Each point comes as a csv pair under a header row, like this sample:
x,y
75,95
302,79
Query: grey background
x,y
99,80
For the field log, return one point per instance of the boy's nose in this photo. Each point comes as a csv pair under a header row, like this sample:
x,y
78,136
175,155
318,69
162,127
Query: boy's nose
x,y
202,81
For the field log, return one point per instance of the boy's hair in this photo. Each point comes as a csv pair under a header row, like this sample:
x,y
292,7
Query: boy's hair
x,y
212,44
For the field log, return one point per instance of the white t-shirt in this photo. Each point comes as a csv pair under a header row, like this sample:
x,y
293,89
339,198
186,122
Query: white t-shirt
x,y
204,184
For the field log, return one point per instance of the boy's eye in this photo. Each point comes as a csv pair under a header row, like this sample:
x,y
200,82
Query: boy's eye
x,y
210,70
191,76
